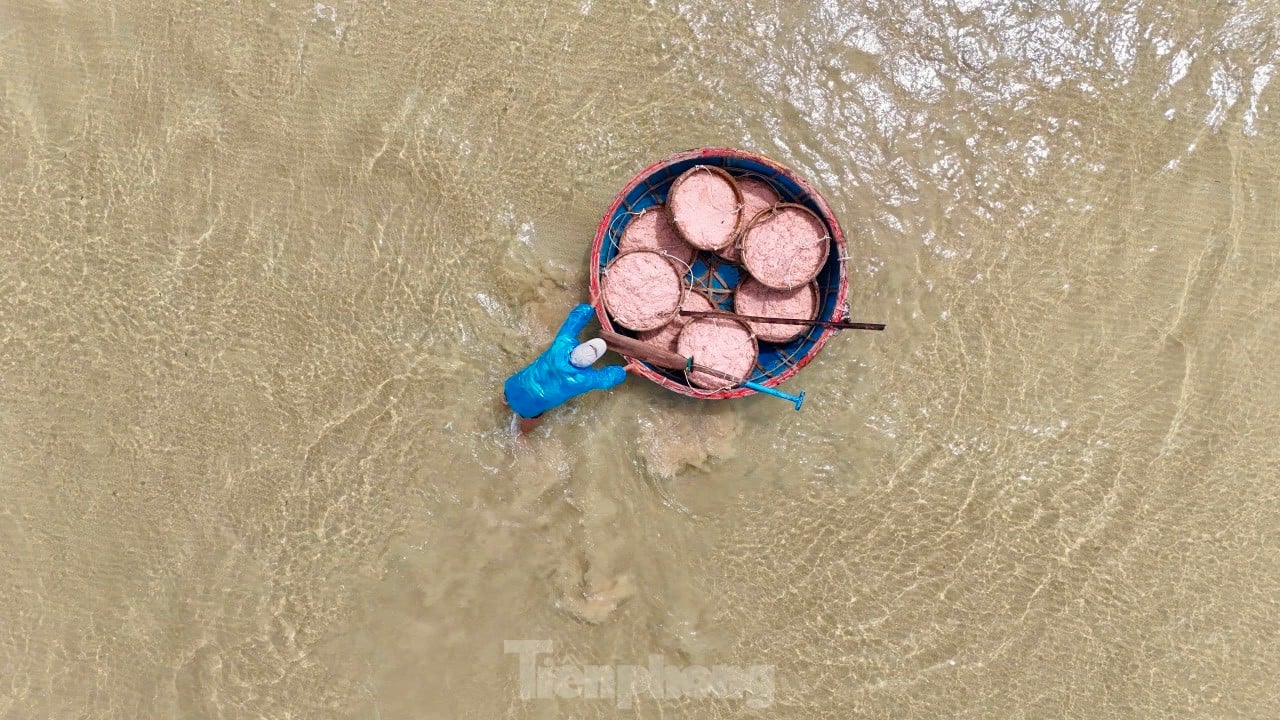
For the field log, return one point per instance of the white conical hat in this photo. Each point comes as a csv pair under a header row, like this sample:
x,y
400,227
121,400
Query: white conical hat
x,y
587,353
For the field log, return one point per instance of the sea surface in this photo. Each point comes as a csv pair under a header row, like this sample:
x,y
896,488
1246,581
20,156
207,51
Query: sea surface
x,y
265,265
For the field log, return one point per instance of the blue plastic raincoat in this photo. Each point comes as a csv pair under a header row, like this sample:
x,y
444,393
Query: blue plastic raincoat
x,y
551,380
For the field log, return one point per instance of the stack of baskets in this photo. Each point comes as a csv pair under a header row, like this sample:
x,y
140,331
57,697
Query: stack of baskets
x,y
720,229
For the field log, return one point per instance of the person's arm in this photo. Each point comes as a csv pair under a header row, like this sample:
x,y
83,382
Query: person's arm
x,y
577,320
607,377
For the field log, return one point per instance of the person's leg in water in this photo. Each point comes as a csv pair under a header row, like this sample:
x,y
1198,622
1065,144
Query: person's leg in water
x,y
519,424
527,425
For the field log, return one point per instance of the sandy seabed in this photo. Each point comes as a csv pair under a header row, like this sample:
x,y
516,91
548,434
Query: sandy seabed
x,y
265,266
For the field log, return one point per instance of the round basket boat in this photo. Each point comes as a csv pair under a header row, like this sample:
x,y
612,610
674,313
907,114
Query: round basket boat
x,y
776,361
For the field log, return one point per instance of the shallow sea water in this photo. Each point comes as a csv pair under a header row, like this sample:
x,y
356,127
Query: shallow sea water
x,y
264,266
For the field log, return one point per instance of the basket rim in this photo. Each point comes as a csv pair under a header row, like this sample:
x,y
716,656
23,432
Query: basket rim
x,y
837,237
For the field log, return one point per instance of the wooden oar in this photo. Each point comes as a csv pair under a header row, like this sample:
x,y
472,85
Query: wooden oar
x,y
661,357
837,324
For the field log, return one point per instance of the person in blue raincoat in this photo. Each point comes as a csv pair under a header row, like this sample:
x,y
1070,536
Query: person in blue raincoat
x,y
562,372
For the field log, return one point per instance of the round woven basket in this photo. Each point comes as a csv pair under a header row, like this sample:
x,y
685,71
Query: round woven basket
x,y
718,384
675,190
676,274
791,282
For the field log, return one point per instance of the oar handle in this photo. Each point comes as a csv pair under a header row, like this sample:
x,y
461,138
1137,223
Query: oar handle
x,y
632,347
837,324
798,400
639,350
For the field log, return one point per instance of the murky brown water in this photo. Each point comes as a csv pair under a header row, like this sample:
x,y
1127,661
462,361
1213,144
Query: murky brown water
x,y
265,266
